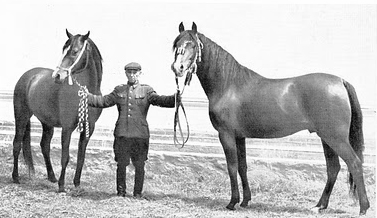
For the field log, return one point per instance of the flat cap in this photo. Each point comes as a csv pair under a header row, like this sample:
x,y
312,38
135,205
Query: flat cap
x,y
132,66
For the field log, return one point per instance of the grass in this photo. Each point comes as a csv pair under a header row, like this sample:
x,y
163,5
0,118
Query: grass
x,y
175,186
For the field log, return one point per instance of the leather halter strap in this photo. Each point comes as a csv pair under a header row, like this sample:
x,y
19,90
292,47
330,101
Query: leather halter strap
x,y
69,69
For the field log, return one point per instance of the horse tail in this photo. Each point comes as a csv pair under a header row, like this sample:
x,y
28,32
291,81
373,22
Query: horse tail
x,y
26,149
356,137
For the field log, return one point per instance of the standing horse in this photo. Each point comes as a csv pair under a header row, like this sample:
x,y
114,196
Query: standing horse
x,y
243,104
53,99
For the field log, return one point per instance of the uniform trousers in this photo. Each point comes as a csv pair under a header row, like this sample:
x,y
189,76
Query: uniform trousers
x,y
135,149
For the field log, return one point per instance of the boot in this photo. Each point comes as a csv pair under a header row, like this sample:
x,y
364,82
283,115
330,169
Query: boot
x,y
121,180
139,178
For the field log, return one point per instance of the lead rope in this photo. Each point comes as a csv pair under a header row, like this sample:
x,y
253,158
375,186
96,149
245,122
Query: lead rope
x,y
191,70
83,109
176,118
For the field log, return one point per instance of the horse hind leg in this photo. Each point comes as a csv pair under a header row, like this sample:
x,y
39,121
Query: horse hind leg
x,y
48,132
22,140
346,152
333,167
242,170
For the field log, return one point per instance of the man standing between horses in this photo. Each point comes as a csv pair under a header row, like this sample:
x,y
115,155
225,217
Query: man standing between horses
x,y
131,129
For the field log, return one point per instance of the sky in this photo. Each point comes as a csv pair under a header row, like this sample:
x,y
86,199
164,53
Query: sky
x,y
274,40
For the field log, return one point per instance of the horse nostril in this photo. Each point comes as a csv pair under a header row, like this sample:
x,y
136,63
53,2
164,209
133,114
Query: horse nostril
x,y
181,67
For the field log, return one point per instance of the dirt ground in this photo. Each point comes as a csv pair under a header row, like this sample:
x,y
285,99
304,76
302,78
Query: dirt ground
x,y
177,185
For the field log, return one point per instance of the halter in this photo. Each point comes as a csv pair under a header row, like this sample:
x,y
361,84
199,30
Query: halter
x,y
191,70
69,69
193,66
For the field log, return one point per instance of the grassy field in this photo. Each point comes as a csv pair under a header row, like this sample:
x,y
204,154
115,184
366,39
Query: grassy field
x,y
175,186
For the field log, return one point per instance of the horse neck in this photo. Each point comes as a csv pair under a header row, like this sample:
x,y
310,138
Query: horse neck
x,y
219,69
91,76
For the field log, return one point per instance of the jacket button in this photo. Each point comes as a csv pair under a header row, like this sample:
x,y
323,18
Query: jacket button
x,y
129,115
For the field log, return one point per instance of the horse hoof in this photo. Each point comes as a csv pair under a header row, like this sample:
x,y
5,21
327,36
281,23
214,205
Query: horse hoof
x,y
316,210
230,206
16,181
244,203
61,190
363,213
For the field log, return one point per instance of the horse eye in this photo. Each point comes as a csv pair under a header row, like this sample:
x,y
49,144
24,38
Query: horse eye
x,y
74,52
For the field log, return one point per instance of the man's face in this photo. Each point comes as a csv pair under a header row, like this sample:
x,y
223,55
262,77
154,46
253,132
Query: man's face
x,y
133,75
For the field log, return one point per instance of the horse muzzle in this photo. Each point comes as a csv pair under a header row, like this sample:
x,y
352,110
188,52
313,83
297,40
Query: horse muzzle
x,y
181,69
60,76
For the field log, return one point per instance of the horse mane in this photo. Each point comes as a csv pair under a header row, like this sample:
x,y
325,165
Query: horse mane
x,y
220,62
97,59
226,67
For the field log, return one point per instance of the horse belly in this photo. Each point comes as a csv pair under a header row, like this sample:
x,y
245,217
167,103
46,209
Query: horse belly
x,y
272,125
273,117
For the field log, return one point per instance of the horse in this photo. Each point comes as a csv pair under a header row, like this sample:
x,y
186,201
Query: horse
x,y
244,104
53,97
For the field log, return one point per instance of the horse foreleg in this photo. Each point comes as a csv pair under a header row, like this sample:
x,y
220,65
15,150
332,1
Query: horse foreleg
x,y
66,139
333,167
242,170
48,132
228,142
81,154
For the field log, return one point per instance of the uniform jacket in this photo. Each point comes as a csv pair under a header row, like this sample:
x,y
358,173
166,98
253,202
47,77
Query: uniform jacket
x,y
133,102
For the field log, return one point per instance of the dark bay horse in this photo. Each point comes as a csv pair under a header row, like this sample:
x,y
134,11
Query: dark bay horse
x,y
48,95
244,104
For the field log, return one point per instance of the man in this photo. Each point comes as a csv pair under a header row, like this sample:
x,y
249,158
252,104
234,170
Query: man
x,y
131,129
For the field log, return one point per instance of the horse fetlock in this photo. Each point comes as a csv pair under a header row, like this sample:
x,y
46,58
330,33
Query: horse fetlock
x,y
52,178
15,179
61,190
76,183
364,208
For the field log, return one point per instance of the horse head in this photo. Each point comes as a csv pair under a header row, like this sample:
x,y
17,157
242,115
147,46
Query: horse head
x,y
72,59
187,51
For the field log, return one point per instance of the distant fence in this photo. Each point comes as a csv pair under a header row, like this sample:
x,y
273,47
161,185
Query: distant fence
x,y
203,140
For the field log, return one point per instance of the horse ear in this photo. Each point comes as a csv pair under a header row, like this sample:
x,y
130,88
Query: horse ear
x,y
194,28
68,33
181,27
85,37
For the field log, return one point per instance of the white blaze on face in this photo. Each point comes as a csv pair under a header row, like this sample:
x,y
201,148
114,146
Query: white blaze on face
x,y
182,60
54,74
